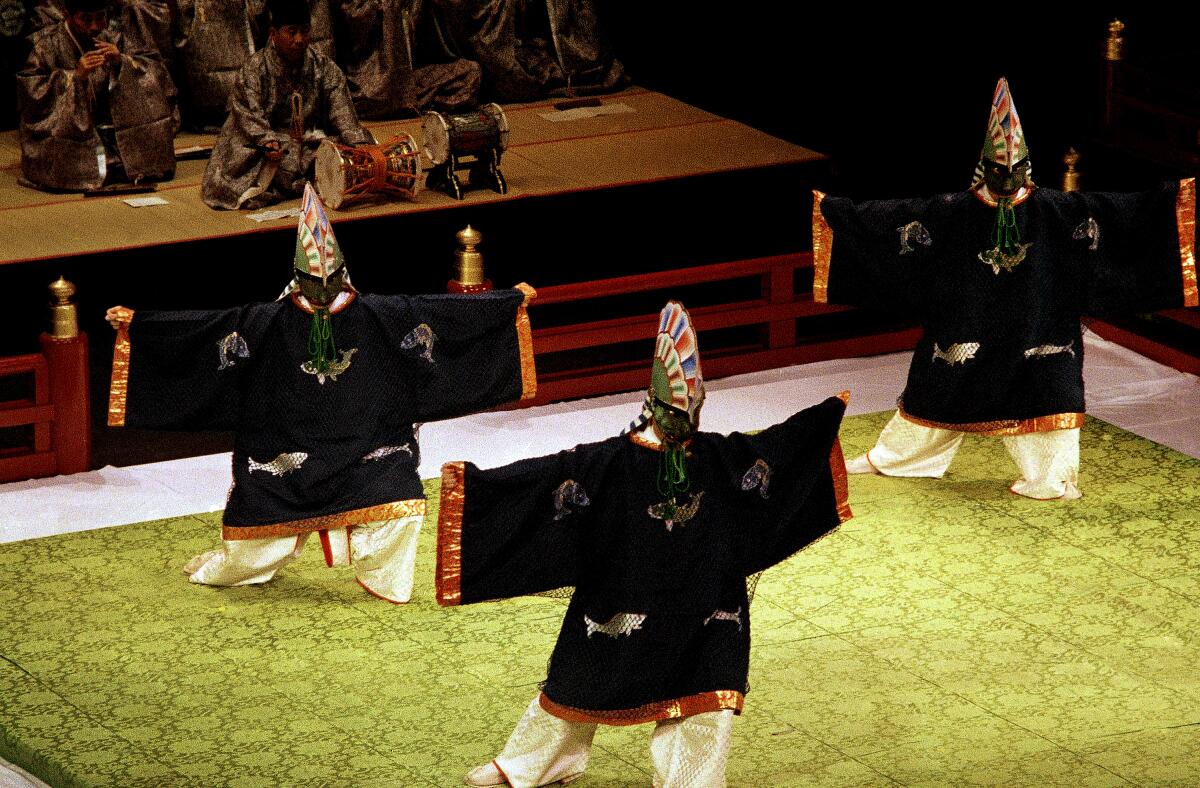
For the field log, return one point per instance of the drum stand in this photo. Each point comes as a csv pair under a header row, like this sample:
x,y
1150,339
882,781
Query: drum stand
x,y
485,170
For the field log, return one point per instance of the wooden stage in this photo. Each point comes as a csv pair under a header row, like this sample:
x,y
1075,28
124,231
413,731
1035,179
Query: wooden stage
x,y
661,139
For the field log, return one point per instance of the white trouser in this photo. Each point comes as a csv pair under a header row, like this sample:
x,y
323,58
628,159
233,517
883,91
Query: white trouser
x,y
383,554
1048,461
689,752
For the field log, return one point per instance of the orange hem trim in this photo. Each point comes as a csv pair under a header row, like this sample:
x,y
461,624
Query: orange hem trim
x,y
414,507
1185,219
714,700
118,391
822,240
448,576
525,344
1001,427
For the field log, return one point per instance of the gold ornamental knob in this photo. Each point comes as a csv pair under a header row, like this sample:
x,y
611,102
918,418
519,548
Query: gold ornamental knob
x,y
469,260
64,323
1070,179
1114,48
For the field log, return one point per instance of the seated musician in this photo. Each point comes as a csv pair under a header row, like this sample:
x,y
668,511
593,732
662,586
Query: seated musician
x,y
286,99
399,62
96,108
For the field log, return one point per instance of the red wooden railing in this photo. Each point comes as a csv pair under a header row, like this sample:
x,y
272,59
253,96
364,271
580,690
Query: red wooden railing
x,y
58,412
777,309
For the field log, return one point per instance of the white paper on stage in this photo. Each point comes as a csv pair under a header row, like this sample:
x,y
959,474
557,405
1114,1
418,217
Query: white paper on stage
x,y
275,213
586,112
143,202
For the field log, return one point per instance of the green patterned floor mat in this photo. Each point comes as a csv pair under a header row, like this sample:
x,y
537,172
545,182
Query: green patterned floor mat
x,y
951,633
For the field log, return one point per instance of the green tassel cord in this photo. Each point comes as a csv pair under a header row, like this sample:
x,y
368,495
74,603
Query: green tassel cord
x,y
672,471
1008,236
321,349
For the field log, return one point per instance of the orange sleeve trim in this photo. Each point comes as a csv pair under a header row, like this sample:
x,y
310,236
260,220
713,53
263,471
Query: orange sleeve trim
x,y
841,484
525,344
448,576
414,507
1002,427
822,239
714,700
118,391
1185,219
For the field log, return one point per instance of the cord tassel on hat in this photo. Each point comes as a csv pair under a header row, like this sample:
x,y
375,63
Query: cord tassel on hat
x,y
672,471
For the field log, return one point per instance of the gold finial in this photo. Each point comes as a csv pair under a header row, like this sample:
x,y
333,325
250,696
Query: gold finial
x,y
1115,46
468,259
64,324
1070,179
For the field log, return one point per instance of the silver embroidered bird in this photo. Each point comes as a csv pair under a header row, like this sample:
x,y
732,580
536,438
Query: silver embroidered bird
x,y
281,465
915,232
230,349
998,259
334,369
671,513
1050,350
758,476
620,624
569,492
423,337
1088,230
385,451
958,353
725,615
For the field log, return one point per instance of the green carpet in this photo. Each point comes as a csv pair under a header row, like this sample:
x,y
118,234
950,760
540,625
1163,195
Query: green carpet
x,y
950,633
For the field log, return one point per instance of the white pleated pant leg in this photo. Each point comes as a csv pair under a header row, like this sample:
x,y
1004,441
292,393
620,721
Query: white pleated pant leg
x,y
385,556
244,561
542,749
908,449
691,752
1049,464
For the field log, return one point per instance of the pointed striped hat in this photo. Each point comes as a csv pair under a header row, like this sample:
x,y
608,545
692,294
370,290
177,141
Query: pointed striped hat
x,y
1005,141
317,251
676,379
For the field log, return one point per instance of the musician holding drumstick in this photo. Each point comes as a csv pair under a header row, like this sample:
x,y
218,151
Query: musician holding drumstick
x,y
287,98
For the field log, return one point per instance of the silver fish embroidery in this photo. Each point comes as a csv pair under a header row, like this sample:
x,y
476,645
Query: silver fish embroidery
x,y
620,624
958,353
672,513
281,465
1050,350
758,476
335,367
230,349
385,451
423,337
569,492
915,232
998,259
725,615
1089,230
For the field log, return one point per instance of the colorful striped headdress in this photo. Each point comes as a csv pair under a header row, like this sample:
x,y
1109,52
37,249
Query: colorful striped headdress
x,y
675,376
1005,141
317,251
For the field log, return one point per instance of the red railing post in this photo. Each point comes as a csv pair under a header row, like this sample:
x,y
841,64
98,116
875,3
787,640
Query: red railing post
x,y
71,432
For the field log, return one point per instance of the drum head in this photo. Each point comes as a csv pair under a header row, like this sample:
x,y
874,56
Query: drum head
x,y
496,112
330,174
436,132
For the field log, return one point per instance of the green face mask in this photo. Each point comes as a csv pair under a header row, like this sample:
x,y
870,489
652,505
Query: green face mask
x,y
321,293
1002,181
673,424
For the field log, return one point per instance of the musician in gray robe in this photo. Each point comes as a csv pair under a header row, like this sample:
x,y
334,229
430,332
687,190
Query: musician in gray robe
x,y
286,100
386,40
96,107
530,49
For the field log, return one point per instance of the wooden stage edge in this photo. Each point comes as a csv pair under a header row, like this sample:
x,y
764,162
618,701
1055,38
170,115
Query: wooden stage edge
x,y
655,138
